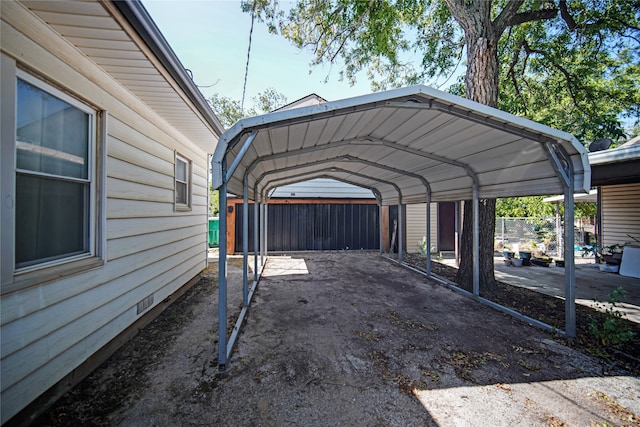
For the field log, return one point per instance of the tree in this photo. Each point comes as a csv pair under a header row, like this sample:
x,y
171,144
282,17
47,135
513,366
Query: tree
x,y
519,207
589,64
214,201
580,47
534,207
229,111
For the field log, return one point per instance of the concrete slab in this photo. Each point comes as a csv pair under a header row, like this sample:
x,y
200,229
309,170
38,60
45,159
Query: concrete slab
x,y
591,283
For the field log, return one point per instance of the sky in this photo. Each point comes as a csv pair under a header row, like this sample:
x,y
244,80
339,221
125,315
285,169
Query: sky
x,y
210,37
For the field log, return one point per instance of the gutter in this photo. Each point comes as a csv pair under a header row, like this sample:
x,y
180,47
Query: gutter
x,y
619,154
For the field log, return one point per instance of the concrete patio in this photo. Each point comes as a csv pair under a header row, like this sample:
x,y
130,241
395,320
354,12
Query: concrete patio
x,y
591,283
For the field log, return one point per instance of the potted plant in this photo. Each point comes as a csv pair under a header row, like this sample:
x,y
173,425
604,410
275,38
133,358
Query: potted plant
x,y
538,249
524,253
542,261
507,252
611,254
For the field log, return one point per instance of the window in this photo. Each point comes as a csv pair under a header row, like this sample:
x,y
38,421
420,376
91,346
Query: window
x,y
54,185
183,183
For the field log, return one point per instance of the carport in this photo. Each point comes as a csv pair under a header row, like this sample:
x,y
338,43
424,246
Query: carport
x,y
408,145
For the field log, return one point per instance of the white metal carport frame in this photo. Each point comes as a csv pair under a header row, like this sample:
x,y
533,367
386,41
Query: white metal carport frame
x,y
408,145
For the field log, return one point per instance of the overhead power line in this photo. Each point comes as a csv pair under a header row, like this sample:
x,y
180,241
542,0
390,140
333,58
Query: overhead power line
x,y
246,69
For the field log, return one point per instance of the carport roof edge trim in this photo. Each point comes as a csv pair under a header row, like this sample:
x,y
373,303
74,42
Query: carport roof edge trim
x,y
475,111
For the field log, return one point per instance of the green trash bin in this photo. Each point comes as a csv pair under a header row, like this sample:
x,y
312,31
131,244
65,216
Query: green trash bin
x,y
214,232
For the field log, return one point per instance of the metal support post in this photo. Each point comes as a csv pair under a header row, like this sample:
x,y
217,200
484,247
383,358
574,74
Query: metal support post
x,y
222,274
456,225
428,235
569,264
559,244
245,242
380,224
263,232
476,241
561,162
599,241
400,228
243,150
266,229
256,212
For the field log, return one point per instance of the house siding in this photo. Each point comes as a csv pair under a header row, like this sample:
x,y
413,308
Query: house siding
x,y
50,328
322,187
620,213
417,225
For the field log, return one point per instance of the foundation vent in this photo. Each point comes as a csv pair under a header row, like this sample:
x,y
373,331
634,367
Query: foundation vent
x,y
145,303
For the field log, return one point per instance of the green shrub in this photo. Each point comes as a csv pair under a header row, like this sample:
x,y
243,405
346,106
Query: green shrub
x,y
606,325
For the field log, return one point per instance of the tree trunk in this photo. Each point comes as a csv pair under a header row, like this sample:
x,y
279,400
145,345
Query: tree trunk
x,y
481,78
481,82
487,219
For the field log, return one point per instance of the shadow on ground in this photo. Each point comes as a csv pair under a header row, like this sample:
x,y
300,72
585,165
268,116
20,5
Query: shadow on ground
x,y
349,339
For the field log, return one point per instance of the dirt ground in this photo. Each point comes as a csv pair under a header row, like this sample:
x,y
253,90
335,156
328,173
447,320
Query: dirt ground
x,y
534,293
348,339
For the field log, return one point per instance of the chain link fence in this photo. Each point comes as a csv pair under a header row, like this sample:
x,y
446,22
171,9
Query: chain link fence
x,y
539,234
536,234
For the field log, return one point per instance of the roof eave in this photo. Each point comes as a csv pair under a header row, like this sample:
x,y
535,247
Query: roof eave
x,y
615,155
141,21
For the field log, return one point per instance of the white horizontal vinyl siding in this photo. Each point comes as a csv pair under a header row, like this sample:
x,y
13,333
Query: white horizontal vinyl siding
x,y
324,188
620,213
417,225
49,329
50,332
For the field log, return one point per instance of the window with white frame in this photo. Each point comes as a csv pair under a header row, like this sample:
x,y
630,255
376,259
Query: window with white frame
x,y
183,183
54,176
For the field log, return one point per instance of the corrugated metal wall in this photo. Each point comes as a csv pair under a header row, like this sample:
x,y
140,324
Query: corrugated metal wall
x,y
304,227
620,213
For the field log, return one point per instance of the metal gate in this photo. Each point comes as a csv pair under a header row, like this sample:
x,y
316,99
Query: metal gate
x,y
304,227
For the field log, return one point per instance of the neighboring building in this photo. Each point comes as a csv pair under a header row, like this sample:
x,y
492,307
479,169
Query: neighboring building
x,y
616,174
306,101
357,229
329,192
322,188
104,188
442,229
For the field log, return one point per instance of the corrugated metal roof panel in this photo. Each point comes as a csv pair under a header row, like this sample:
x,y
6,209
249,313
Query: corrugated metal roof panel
x,y
394,141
